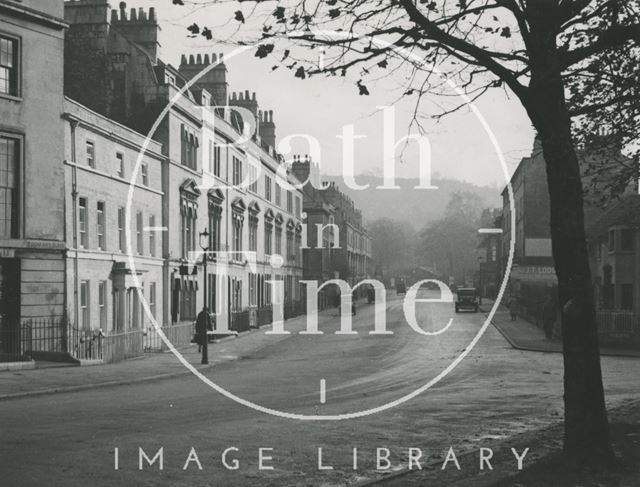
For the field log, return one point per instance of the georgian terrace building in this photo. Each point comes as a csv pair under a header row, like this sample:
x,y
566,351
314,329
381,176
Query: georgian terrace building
x,y
100,159
32,217
202,174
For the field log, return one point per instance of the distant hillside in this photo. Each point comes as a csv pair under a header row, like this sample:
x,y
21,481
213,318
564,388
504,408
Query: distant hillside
x,y
415,206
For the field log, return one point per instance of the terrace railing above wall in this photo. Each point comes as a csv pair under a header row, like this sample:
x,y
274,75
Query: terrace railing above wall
x,y
618,327
179,335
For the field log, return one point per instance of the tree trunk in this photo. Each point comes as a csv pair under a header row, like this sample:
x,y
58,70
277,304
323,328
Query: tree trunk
x,y
586,436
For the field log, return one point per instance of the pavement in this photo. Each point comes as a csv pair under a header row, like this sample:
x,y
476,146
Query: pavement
x,y
51,378
524,335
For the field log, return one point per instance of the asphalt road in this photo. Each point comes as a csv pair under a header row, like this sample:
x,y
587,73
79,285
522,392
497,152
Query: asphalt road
x,y
69,439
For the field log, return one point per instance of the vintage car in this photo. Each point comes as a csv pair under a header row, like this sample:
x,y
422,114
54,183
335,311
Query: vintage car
x,y
467,298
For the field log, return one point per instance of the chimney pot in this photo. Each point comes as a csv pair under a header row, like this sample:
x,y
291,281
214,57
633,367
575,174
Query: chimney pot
x,y
142,15
114,15
246,94
183,59
134,15
214,60
123,11
206,59
199,59
240,96
192,60
152,13
254,96
220,57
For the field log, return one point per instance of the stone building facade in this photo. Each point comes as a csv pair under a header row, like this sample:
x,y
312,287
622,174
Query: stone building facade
x,y
204,170
344,250
114,211
32,218
614,254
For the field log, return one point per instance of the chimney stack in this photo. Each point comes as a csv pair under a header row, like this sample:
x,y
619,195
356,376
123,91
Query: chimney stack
x,y
214,81
140,28
267,128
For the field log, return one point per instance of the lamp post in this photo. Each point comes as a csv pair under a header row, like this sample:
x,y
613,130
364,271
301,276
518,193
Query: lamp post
x,y
204,245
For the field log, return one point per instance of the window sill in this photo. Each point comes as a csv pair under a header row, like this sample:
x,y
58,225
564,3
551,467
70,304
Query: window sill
x,y
15,98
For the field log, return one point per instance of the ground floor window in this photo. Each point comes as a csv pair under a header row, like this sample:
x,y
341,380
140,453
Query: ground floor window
x,y
212,295
102,304
188,302
626,296
152,299
84,305
9,188
236,294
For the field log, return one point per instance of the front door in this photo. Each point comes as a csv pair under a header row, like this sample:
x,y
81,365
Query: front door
x,y
9,308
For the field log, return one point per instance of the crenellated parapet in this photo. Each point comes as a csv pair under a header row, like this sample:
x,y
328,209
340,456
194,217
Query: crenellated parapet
x,y
139,15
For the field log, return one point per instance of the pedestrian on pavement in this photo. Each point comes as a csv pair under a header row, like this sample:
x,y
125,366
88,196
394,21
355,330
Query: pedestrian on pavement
x,y
513,308
548,317
203,324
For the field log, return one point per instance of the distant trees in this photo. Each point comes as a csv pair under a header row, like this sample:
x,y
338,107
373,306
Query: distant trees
x,y
449,243
393,246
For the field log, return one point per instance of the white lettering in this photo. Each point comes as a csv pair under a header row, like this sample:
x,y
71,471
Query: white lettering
x,y
193,457
520,458
485,455
320,465
414,456
262,458
451,456
380,457
159,456
234,462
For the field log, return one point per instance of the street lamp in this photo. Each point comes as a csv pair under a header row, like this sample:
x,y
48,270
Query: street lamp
x,y
204,245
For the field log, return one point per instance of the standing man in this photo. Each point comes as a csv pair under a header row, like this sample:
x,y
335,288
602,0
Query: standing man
x,y
548,317
203,325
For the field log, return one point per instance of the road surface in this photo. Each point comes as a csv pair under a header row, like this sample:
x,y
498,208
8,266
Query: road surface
x,y
69,439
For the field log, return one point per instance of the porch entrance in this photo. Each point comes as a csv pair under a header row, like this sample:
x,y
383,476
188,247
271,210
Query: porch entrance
x,y
10,341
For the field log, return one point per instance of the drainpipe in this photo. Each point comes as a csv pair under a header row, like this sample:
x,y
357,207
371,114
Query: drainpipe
x,y
226,285
74,196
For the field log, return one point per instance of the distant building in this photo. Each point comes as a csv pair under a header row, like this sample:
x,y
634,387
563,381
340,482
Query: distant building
x,y
532,259
335,211
32,222
533,273
614,254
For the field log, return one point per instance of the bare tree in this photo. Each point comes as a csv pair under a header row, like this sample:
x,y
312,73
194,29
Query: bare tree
x,y
393,246
573,65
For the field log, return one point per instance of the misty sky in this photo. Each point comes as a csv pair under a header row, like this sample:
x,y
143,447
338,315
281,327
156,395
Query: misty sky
x,y
321,106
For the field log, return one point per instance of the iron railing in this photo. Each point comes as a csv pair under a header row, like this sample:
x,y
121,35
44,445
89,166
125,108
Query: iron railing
x,y
618,327
265,315
121,346
179,335
14,342
240,321
293,309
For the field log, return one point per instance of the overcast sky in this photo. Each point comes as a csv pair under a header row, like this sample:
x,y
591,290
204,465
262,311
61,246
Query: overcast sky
x,y
322,106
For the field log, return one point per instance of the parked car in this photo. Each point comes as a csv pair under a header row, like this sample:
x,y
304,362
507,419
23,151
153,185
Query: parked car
x,y
467,298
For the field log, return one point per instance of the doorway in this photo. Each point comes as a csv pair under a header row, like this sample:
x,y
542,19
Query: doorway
x,y
9,308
